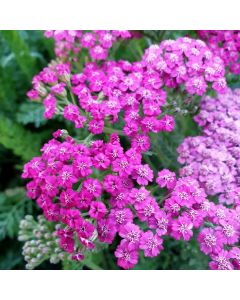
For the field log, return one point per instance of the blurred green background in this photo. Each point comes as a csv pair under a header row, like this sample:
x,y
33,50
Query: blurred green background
x,y
23,130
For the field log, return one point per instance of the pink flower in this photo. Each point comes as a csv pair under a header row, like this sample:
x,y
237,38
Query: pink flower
x,y
84,228
92,187
166,178
82,166
127,257
211,241
88,40
121,217
131,233
66,177
97,210
50,106
106,230
230,231
181,228
160,222
143,174
122,166
96,126
78,256
101,161
112,184
98,52
167,123
68,198
235,255
221,261
147,209
139,196
141,143
151,244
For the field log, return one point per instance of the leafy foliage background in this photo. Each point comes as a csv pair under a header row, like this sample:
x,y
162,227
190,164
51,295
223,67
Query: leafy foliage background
x,y
23,130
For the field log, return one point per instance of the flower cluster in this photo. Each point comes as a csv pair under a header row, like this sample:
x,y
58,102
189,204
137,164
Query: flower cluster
x,y
98,190
213,158
219,237
70,42
115,91
186,62
226,44
132,94
86,189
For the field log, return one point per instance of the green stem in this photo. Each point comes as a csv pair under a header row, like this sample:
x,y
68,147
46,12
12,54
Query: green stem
x,y
112,130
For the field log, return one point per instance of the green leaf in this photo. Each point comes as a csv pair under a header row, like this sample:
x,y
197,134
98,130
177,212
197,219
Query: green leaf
x,y
21,141
21,51
13,206
31,113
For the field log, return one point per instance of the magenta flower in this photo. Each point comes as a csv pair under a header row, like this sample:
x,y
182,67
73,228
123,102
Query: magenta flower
x,y
101,161
235,256
92,187
84,228
66,177
166,178
106,229
138,196
131,233
151,244
127,257
97,210
121,217
211,241
68,198
82,165
143,174
122,166
50,106
166,123
221,261
181,228
160,222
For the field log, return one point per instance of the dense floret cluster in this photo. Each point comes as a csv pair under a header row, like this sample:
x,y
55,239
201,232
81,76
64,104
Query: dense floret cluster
x,y
116,91
213,160
186,62
97,42
96,191
226,44
213,157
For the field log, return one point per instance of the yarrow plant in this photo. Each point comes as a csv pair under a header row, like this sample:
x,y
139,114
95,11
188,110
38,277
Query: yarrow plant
x,y
91,205
105,188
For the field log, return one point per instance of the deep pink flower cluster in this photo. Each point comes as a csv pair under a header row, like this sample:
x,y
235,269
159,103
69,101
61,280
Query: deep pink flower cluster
x,y
97,191
186,62
213,158
70,42
89,189
115,91
226,44
131,93
219,238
